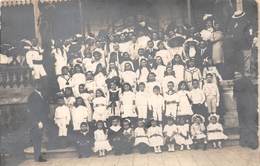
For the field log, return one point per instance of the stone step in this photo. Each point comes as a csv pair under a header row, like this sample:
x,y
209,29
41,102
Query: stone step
x,y
70,152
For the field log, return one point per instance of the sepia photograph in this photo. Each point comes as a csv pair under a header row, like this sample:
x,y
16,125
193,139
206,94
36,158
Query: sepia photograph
x,y
129,83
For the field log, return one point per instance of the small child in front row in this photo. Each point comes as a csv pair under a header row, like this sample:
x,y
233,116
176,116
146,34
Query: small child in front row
x,y
215,131
141,138
101,142
212,94
115,134
198,131
169,131
155,135
128,137
183,137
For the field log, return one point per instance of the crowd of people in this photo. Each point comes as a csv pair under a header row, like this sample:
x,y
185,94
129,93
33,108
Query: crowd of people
x,y
138,88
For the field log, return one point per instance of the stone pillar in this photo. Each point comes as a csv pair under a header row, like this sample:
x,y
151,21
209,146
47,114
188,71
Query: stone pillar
x,y
36,13
230,117
258,78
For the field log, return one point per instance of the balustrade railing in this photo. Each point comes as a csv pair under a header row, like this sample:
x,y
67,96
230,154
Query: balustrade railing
x,y
15,76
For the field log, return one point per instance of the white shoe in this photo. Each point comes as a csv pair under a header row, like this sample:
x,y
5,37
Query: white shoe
x,y
181,147
188,147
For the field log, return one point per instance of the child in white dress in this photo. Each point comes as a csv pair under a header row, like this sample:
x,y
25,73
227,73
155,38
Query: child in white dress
x,y
100,106
151,83
198,131
212,94
183,137
141,138
169,132
128,103
171,103
156,104
77,78
62,117
64,80
128,75
184,108
191,73
215,131
101,139
169,76
155,135
143,71
90,83
100,78
80,114
141,101
178,68
160,68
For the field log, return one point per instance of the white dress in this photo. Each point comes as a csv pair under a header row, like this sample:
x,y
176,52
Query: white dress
x,y
141,102
197,131
171,104
165,54
140,136
100,82
179,73
60,60
155,136
151,85
129,77
184,104
160,72
79,114
70,102
170,130
101,141
142,76
64,81
128,107
215,135
166,80
183,130
100,111
76,80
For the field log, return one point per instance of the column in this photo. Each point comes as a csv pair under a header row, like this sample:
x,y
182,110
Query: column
x,y
36,12
258,47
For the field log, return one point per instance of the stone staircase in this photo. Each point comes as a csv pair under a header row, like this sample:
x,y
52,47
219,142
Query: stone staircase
x,y
70,152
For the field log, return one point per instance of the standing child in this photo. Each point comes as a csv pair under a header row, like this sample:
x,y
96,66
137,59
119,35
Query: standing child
x,y
169,131
115,134
209,68
184,108
128,137
62,117
113,97
128,103
101,143
69,98
183,137
100,106
197,97
141,101
212,94
128,74
155,135
198,131
79,113
171,103
178,68
156,104
215,131
141,138
100,78
151,83
191,73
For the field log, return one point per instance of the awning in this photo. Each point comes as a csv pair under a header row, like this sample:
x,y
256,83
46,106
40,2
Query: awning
x,y
6,3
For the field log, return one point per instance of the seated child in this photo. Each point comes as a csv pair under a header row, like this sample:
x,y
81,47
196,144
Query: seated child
x,y
155,135
115,134
198,131
141,138
101,143
215,131
183,137
128,137
84,141
169,131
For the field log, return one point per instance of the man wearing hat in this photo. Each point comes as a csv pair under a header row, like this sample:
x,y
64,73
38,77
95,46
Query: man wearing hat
x,y
241,33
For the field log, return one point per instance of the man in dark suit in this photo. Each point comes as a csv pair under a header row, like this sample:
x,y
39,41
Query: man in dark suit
x,y
150,50
39,111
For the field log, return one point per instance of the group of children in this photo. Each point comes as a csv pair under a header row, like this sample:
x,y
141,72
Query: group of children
x,y
139,90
